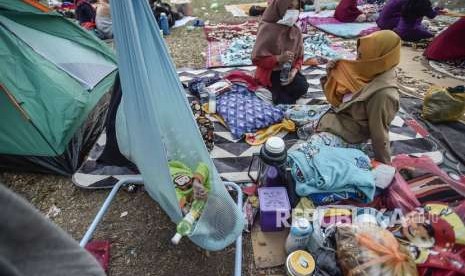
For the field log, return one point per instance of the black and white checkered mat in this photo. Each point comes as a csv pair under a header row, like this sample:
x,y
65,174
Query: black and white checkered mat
x,y
232,157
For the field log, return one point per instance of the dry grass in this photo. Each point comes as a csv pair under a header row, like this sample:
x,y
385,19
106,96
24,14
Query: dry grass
x,y
187,47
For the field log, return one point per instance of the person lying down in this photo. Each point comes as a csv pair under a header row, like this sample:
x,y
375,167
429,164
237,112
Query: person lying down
x,y
363,95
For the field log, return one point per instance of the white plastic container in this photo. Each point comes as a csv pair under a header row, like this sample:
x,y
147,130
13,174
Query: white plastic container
x,y
316,4
211,102
299,235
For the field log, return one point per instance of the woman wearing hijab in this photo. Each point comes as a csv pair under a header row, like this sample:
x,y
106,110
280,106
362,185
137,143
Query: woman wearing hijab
x,y
363,94
347,11
85,14
410,27
103,19
389,16
449,44
279,43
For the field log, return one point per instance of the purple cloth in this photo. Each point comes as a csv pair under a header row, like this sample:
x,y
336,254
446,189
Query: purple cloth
x,y
411,29
390,15
244,112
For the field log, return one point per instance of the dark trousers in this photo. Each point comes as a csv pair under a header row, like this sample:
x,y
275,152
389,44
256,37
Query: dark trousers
x,y
290,93
111,153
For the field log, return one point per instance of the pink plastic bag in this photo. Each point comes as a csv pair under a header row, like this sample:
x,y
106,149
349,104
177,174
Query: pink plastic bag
x,y
399,194
101,251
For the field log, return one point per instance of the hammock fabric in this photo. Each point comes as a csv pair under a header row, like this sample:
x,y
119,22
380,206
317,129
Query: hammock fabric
x,y
155,124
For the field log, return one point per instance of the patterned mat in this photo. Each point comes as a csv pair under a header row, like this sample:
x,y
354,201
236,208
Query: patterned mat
x,y
318,48
233,50
220,36
214,51
455,69
232,157
326,22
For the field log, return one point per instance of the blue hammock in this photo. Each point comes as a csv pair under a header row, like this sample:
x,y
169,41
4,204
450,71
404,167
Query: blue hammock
x,y
155,124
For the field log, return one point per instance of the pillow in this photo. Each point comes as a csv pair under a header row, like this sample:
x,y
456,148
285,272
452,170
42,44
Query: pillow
x,y
244,112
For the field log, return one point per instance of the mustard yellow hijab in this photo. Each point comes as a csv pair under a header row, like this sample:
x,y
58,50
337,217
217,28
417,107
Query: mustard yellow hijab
x,y
378,52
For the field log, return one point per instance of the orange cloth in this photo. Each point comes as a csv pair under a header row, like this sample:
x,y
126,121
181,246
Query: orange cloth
x,y
260,137
37,5
378,52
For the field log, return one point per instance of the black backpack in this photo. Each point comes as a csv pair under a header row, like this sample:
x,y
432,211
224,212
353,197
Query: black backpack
x,y
159,8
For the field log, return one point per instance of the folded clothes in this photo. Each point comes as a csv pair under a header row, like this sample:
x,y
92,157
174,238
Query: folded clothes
x,y
323,169
244,79
196,84
260,137
333,140
328,139
303,114
264,94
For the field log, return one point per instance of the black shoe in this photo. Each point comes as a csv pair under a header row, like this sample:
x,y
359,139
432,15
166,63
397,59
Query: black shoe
x,y
256,10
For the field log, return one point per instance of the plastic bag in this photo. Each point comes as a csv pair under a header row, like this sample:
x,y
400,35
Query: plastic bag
x,y
443,105
399,195
426,164
370,250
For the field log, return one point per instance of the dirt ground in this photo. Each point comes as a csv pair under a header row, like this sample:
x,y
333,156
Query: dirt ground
x,y
139,231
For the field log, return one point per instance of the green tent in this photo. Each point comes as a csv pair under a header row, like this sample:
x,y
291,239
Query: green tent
x,y
53,76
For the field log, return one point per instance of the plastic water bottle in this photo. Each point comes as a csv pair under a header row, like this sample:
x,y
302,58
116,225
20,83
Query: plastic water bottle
x,y
211,102
317,6
284,75
185,226
164,24
299,236
203,93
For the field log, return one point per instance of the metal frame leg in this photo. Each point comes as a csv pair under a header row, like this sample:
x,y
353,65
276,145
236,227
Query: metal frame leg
x,y
238,255
138,180
90,231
